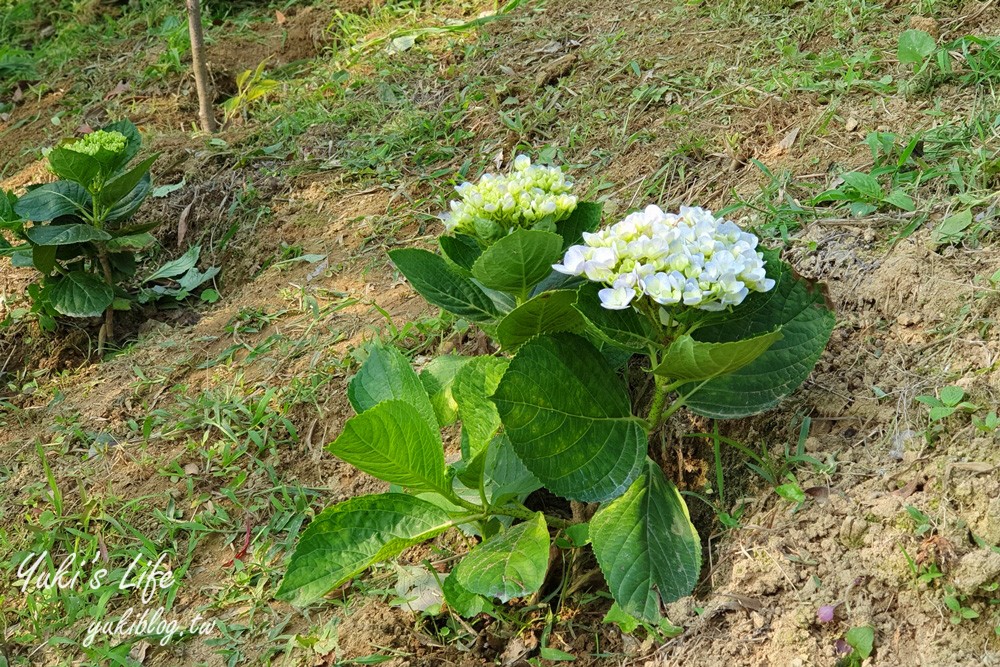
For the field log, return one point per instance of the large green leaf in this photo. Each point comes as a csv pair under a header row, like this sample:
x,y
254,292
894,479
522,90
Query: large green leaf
x,y
688,359
569,418
509,565
646,546
73,166
53,200
393,442
806,323
81,294
438,378
586,217
131,202
64,234
442,285
387,375
549,312
461,249
505,475
44,258
518,261
117,189
349,537
464,603
626,328
474,384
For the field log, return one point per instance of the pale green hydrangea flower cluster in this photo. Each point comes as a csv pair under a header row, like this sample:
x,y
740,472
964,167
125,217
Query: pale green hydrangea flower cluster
x,y
531,195
113,142
690,258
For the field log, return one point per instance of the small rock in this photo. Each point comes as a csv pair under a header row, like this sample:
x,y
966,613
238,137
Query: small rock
x,y
852,124
852,531
927,24
976,569
191,469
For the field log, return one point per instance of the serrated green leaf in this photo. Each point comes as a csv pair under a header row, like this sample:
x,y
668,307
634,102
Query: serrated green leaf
x,y
688,359
900,200
474,383
548,312
504,475
941,412
463,602
554,654
347,538
795,306
130,203
64,234
647,548
442,285
461,249
914,47
862,640
81,294
393,442
387,375
509,565
52,200
518,261
626,328
586,217
117,189
438,378
569,419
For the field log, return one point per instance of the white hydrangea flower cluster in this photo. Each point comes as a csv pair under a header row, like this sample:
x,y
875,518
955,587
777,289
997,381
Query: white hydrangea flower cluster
x,y
496,204
690,258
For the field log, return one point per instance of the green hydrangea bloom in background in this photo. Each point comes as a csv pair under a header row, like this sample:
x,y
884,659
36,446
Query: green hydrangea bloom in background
x,y
113,142
531,196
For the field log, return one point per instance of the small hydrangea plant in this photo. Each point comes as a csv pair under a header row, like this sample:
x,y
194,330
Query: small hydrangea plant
x,y
75,230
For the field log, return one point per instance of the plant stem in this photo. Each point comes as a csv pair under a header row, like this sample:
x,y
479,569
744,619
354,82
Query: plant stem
x,y
656,413
720,480
524,513
507,510
109,312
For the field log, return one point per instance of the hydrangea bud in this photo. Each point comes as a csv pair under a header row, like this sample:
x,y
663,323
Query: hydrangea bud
x,y
531,196
113,142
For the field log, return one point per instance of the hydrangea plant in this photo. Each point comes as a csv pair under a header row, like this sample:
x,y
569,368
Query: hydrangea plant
x,y
75,230
724,328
